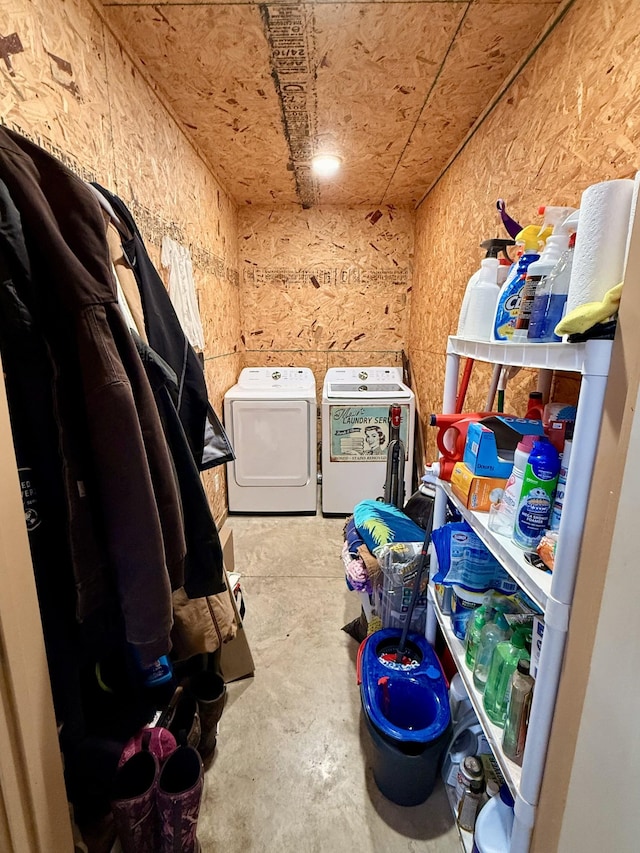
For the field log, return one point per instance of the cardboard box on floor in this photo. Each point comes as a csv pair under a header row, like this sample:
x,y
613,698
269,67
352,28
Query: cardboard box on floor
x,y
236,660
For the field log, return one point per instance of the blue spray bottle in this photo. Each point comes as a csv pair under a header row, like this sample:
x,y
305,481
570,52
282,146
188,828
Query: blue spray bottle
x,y
531,239
551,299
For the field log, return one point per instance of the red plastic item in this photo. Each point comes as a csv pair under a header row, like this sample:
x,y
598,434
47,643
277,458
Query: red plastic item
x,y
464,384
359,661
452,433
535,409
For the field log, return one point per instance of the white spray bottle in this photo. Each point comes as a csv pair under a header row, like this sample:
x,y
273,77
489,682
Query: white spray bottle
x,y
478,295
557,243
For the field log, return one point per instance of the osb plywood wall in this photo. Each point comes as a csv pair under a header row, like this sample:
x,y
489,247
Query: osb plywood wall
x,y
68,84
570,119
325,287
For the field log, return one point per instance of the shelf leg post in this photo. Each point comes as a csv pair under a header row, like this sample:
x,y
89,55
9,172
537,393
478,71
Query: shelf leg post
x,y
450,391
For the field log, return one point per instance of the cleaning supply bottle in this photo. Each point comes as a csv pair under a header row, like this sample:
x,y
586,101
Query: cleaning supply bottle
x,y
536,496
482,302
558,501
556,244
535,407
494,825
502,518
494,248
551,299
530,239
483,294
493,633
518,709
474,629
503,664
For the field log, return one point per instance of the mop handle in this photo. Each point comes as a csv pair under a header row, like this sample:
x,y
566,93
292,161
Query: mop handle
x,y
416,586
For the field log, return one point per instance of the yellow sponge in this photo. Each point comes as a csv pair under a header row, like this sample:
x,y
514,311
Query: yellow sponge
x,y
585,316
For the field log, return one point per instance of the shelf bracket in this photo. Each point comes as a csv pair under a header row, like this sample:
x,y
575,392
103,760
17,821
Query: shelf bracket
x,y
525,812
556,615
525,815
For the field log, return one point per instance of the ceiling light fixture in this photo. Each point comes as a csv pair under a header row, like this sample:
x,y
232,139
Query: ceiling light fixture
x,y
326,165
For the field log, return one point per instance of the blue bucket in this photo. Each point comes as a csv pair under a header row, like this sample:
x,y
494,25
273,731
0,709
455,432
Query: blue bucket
x,y
406,707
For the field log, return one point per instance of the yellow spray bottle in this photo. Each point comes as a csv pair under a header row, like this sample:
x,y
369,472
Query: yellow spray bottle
x,y
530,241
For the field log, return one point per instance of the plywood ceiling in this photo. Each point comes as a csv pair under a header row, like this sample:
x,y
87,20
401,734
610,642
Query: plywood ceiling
x,y
392,86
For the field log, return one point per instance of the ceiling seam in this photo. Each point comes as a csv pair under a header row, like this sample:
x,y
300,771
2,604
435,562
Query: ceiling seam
x,y
507,84
427,98
292,48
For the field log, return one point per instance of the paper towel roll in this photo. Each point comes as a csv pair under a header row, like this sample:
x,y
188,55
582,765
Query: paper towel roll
x,y
598,261
632,215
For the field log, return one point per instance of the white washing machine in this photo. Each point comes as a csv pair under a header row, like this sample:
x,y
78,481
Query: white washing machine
x,y
270,416
355,434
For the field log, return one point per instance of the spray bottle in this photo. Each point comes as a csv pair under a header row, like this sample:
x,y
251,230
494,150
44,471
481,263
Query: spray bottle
x,y
531,239
557,243
551,295
475,294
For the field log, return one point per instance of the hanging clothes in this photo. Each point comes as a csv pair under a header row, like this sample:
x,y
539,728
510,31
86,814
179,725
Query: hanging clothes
x,y
207,439
204,573
110,443
123,510
182,290
28,377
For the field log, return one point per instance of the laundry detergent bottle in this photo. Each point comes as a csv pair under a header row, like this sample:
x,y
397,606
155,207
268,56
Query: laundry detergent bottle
x,y
555,246
482,290
530,240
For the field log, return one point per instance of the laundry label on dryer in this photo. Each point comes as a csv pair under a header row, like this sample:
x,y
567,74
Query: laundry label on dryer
x,y
361,433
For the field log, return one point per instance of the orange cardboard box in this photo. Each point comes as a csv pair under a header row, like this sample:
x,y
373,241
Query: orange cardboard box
x,y
476,493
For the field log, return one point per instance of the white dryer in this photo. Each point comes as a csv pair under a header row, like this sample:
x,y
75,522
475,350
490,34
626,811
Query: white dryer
x,y
270,417
355,434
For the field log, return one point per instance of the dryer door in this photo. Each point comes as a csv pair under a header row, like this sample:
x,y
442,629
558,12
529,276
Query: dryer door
x,y
271,442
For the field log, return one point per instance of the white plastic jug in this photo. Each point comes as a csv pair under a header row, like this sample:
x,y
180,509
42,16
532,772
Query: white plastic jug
x,y
493,827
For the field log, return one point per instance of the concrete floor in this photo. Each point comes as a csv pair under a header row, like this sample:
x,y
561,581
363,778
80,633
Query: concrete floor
x,y
291,772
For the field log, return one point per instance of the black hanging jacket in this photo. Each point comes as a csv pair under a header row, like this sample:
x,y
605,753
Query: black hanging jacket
x,y
124,520
203,572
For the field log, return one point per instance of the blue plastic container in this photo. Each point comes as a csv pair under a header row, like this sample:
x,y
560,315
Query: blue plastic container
x,y
406,709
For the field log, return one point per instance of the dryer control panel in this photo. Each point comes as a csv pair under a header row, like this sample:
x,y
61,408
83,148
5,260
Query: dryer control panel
x,y
366,375
261,378
360,382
